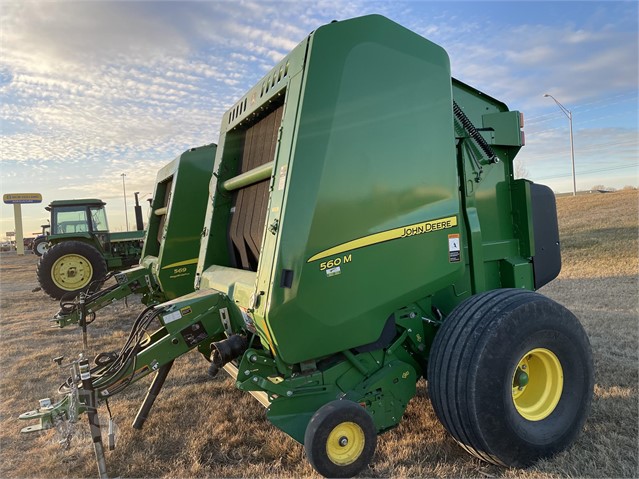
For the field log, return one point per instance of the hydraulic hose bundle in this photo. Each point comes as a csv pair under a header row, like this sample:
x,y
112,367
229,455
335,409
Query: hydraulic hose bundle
x,y
118,369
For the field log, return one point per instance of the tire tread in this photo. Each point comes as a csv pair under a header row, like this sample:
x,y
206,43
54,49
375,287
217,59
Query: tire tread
x,y
465,334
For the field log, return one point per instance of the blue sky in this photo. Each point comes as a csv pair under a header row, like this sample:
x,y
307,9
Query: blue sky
x,y
91,90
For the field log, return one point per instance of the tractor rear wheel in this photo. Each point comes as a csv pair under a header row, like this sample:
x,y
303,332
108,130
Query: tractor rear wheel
x,y
40,246
69,267
340,439
510,376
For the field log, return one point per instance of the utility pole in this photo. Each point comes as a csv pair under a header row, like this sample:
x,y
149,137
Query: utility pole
x,y
568,113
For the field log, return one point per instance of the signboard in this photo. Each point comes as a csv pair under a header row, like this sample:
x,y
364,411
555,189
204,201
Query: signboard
x,y
19,198
9,234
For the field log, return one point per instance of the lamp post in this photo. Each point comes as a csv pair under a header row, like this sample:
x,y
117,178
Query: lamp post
x,y
126,214
568,113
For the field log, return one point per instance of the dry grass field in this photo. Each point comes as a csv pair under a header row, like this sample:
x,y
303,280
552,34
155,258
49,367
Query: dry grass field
x,y
206,428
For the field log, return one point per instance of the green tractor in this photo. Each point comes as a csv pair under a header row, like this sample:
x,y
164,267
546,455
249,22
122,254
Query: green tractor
x,y
171,244
365,231
81,249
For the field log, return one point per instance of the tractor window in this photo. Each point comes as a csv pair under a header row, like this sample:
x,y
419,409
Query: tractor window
x,y
70,219
98,219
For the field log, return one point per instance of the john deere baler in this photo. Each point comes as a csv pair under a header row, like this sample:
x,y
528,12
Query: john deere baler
x,y
171,242
365,231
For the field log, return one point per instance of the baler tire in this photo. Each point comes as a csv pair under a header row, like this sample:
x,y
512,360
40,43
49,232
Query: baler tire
x,y
39,247
85,256
335,422
475,377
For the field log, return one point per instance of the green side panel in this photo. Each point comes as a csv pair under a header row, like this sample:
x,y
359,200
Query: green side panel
x,y
292,415
522,217
126,236
516,273
492,192
496,208
174,238
504,127
372,153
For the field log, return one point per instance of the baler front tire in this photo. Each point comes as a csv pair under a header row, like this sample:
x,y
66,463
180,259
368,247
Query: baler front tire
x,y
340,439
70,266
510,376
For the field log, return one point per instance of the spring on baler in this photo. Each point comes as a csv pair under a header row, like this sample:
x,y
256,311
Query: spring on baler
x,y
473,133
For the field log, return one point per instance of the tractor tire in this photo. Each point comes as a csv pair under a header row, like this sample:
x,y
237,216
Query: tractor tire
x,y
510,376
40,246
340,439
70,267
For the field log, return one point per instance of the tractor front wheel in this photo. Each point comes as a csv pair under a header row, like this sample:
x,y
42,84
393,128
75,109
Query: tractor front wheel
x,y
340,439
510,376
70,267
40,246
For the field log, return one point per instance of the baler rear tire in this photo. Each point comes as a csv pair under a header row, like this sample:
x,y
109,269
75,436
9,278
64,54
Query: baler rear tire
x,y
84,256
475,377
333,423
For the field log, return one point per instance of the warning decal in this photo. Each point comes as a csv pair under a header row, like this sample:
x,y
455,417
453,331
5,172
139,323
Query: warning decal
x,y
454,249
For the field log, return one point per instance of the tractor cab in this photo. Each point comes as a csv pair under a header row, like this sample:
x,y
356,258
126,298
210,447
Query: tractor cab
x,y
77,216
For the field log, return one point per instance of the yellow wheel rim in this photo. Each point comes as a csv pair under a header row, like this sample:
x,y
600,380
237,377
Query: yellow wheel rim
x,y
537,384
345,443
71,272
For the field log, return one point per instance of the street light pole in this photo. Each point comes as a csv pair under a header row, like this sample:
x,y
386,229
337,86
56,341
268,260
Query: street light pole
x,y
568,113
126,214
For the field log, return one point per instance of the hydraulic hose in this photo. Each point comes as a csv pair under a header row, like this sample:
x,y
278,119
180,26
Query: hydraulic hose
x,y
117,368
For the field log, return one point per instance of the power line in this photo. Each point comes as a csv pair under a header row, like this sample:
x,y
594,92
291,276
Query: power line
x,y
588,149
587,172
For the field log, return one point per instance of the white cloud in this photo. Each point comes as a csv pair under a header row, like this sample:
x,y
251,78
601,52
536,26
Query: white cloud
x,y
532,59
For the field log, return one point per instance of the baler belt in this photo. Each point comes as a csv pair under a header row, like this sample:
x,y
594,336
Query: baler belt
x,y
248,221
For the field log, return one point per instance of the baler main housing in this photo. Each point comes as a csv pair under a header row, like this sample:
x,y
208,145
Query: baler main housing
x,y
373,203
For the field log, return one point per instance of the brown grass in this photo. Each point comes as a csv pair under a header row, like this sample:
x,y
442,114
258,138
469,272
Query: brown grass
x,y
206,428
